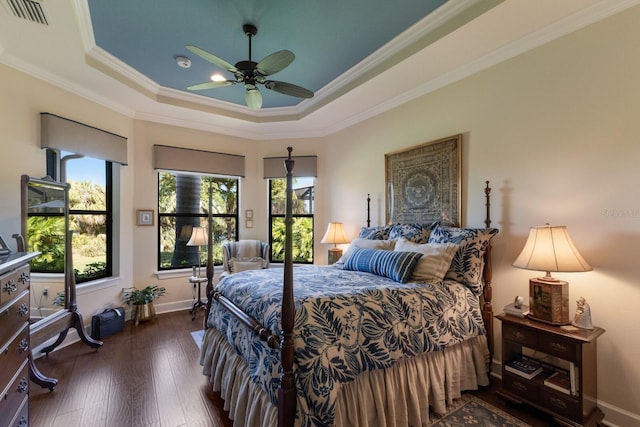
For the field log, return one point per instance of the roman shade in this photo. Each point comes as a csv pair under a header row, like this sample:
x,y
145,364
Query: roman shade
x,y
305,166
197,161
68,135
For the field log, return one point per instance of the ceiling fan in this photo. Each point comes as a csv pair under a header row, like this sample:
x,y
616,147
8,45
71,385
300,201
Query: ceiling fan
x,y
252,73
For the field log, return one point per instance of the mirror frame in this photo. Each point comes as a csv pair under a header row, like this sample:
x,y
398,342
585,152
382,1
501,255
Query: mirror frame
x,y
58,323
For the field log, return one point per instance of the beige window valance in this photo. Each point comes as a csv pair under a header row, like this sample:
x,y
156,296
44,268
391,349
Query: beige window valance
x,y
68,135
305,166
197,161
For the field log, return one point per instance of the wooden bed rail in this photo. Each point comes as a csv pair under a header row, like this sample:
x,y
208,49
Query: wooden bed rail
x,y
272,340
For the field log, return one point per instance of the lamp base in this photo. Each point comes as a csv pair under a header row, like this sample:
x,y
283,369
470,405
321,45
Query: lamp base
x,y
549,301
334,255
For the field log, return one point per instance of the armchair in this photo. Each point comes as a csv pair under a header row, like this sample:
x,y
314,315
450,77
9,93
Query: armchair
x,y
244,255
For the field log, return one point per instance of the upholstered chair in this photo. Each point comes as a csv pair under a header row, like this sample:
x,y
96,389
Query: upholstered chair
x,y
244,255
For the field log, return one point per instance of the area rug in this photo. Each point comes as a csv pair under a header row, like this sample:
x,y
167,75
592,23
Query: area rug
x,y
469,410
197,337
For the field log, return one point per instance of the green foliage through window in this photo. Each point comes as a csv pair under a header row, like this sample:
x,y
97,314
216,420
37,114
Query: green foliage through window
x,y
90,217
302,208
183,203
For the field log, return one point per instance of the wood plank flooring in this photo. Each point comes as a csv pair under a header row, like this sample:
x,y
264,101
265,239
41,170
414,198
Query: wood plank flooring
x,y
149,375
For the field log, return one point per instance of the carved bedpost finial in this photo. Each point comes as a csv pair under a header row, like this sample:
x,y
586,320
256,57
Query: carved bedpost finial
x,y
487,192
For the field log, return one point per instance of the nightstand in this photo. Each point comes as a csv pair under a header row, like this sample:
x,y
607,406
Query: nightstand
x,y
558,350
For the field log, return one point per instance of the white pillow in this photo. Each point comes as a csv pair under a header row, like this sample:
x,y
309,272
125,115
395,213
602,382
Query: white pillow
x,y
435,261
238,266
366,244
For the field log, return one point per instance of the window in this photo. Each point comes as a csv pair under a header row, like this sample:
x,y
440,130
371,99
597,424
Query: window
x,y
183,203
303,206
90,219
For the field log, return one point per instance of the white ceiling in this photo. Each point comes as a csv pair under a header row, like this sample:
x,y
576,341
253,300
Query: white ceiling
x,y
64,53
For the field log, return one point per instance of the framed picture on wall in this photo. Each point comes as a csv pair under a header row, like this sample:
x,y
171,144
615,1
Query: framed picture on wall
x,y
145,216
424,183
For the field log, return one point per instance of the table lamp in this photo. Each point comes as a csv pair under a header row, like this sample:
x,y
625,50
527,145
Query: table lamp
x,y
199,239
335,234
550,249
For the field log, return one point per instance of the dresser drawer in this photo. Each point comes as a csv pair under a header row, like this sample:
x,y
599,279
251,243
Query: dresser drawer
x,y
13,283
13,354
562,404
14,394
526,337
520,386
12,316
557,346
22,417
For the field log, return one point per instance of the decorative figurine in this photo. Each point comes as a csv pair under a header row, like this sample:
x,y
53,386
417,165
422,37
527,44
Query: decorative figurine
x,y
582,318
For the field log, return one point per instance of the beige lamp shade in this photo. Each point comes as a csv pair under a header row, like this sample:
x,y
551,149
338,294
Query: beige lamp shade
x,y
198,237
335,234
551,249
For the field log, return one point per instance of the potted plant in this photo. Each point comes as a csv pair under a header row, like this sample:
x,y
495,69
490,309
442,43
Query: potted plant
x,y
142,301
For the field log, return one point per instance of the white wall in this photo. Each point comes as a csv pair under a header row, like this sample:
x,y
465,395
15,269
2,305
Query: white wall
x,y
556,132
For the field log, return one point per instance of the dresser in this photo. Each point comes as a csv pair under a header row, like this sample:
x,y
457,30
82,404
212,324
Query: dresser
x,y
14,338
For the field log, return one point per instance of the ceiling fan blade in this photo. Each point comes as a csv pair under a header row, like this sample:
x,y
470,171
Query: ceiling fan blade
x,y
275,62
288,89
211,85
212,58
253,97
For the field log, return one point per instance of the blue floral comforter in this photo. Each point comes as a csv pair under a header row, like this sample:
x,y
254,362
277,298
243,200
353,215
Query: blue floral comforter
x,y
346,322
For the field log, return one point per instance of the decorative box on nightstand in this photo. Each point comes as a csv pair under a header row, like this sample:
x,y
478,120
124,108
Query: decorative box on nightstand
x,y
573,352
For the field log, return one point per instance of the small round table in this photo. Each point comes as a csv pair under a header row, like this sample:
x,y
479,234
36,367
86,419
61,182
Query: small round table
x,y
199,302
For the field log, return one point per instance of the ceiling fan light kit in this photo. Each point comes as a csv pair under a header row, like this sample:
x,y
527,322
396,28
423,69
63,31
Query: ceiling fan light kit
x,y
252,73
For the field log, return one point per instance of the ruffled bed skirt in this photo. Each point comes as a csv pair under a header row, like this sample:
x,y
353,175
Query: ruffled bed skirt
x,y
398,396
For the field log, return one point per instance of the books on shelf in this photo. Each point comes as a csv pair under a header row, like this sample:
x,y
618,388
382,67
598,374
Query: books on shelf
x,y
527,368
559,381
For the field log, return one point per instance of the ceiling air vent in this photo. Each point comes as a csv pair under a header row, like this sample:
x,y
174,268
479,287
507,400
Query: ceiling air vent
x,y
27,9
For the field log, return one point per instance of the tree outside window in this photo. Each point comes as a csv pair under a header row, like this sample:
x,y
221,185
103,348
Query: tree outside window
x,y
302,209
183,203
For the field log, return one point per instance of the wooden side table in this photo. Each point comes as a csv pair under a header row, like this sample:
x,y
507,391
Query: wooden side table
x,y
198,303
552,346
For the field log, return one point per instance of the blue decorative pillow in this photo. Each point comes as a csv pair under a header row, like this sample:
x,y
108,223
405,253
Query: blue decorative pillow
x,y
468,262
374,233
395,265
417,233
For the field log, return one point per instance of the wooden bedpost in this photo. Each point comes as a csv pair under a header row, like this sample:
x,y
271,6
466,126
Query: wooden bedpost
x,y
209,290
368,210
487,276
287,391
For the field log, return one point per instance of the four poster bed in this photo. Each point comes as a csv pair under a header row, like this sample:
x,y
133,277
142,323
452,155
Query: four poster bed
x,y
401,324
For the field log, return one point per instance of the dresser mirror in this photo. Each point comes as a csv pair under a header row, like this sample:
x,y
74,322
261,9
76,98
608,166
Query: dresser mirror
x,y
45,228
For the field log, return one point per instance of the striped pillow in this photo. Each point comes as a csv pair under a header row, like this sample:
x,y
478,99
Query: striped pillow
x,y
395,265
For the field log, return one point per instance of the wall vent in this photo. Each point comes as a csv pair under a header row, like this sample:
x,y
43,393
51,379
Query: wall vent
x,y
30,10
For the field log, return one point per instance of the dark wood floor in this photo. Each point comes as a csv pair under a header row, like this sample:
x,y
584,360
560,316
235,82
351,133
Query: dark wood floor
x,y
149,375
